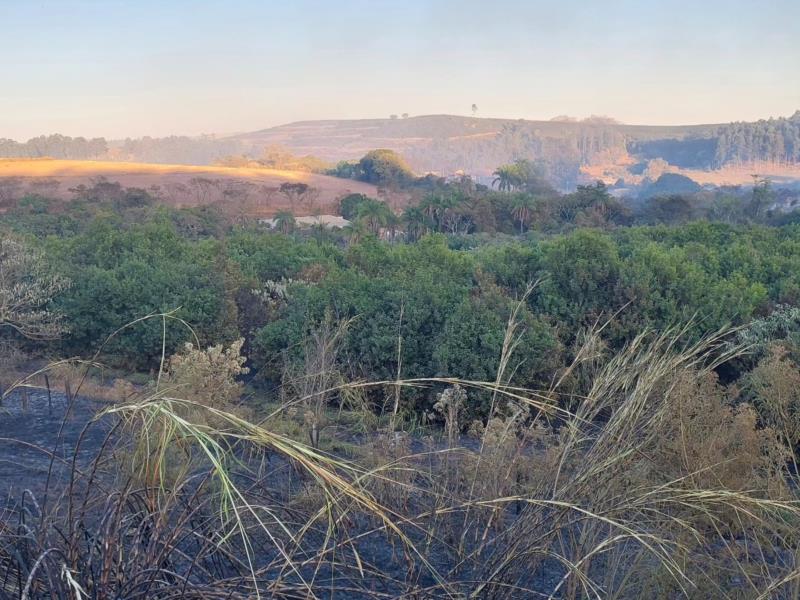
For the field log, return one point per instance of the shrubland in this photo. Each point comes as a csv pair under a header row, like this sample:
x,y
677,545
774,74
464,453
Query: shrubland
x,y
582,406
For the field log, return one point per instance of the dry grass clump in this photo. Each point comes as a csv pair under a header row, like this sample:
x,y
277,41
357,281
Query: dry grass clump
x,y
311,382
775,387
643,484
209,377
449,407
394,470
642,477
707,441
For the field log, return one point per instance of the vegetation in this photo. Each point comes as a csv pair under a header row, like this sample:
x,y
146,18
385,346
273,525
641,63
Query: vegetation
x,y
172,149
770,140
277,157
380,167
26,290
453,144
496,394
54,146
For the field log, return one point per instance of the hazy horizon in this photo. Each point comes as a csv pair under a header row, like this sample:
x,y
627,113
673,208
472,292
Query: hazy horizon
x,y
116,69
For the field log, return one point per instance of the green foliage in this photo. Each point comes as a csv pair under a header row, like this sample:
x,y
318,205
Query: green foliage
x,y
761,198
455,303
375,215
670,183
385,168
285,222
581,279
272,257
446,295
471,340
381,167
345,169
673,209
416,223
121,275
41,217
424,281
35,215
773,140
349,205
521,175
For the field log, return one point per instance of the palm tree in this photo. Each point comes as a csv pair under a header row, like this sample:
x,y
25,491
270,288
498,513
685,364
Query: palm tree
x,y
320,232
355,232
392,223
435,207
417,223
428,207
506,178
374,215
522,174
522,207
285,222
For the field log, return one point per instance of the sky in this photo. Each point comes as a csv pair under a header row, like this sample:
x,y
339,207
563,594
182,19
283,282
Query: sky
x,y
119,68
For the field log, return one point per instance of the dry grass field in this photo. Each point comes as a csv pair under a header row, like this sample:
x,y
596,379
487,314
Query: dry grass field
x,y
744,175
731,175
257,191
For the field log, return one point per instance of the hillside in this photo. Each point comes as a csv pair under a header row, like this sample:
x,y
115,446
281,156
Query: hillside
x,y
347,139
570,151
447,144
256,191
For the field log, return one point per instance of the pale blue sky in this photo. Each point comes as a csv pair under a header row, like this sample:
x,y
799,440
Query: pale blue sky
x,y
154,67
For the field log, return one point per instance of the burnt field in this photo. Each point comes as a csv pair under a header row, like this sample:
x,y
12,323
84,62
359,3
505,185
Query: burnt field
x,y
158,496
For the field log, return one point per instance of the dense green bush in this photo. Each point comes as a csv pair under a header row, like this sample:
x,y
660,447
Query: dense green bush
x,y
119,276
447,298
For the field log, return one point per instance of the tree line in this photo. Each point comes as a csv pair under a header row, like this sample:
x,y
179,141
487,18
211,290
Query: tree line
x,y
770,140
521,200
55,146
171,149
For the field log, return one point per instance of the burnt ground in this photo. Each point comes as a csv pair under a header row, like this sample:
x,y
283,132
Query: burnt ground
x,y
38,440
36,434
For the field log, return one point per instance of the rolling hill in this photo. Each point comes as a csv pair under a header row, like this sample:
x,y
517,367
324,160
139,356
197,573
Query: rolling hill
x,y
256,191
416,137
569,151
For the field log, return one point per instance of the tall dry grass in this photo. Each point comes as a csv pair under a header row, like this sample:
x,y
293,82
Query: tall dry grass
x,y
633,475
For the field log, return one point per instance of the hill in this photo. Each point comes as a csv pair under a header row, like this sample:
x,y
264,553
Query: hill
x,y
568,149
261,192
415,137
